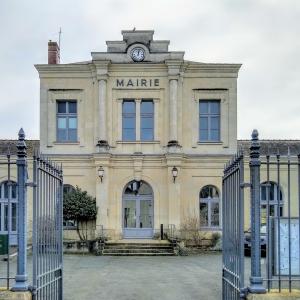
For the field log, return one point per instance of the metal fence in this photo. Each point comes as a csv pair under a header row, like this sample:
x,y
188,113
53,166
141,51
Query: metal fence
x,y
6,203
281,217
47,229
273,239
233,230
47,236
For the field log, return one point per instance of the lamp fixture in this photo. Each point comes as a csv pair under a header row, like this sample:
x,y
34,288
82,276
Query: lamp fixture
x,y
101,173
174,173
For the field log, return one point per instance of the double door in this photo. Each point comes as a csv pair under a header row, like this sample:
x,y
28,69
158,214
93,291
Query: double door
x,y
137,216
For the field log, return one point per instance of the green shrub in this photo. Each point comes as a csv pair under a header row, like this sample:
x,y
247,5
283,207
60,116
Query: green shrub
x,y
80,207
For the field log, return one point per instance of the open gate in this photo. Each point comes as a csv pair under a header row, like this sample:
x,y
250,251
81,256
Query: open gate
x,y
47,236
233,230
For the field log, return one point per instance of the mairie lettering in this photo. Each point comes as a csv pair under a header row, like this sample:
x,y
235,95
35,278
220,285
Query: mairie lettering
x,y
139,82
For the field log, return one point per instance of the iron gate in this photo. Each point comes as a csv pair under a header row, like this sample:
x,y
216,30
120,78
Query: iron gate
x,y
274,230
47,236
233,230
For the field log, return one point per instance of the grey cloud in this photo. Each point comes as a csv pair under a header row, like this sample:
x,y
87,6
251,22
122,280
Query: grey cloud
x,y
261,34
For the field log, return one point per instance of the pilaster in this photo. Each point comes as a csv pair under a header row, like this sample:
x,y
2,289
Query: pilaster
x,y
102,76
173,76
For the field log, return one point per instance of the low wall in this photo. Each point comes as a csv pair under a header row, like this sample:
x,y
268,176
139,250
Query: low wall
x,y
285,295
8,295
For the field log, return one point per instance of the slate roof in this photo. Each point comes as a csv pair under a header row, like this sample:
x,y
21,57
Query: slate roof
x,y
272,147
11,145
267,146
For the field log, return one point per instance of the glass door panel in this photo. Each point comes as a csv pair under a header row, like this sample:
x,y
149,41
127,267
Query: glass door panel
x,y
145,214
130,214
14,217
5,217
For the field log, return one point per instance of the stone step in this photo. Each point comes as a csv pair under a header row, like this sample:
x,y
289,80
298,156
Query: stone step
x,y
141,246
138,249
139,254
105,250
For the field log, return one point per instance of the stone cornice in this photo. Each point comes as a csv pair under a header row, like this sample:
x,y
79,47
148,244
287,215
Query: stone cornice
x,y
194,67
63,70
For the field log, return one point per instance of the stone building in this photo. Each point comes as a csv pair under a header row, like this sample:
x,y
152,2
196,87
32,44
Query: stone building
x,y
157,128
144,115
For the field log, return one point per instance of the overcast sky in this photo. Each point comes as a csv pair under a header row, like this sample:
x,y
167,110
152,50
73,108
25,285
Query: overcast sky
x,y
262,35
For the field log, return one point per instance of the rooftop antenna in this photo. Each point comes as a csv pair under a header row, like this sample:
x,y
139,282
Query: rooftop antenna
x,y
59,37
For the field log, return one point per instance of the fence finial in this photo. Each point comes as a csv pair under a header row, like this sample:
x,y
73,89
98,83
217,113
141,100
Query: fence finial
x,y
254,146
254,135
21,145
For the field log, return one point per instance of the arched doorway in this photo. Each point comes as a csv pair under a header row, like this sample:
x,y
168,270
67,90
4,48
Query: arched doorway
x,y
137,210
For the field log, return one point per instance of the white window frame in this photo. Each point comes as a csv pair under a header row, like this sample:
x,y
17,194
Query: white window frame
x,y
138,118
67,115
209,115
209,201
272,202
3,202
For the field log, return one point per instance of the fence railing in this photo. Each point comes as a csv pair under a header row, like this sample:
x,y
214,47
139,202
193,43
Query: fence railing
x,y
47,183
280,214
274,236
8,204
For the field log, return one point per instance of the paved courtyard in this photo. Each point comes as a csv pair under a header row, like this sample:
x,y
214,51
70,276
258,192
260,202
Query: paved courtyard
x,y
143,278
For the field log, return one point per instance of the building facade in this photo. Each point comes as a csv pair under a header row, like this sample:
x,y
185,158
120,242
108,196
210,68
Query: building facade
x,y
161,128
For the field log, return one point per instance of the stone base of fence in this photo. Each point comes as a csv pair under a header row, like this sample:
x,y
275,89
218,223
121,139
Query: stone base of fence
x,y
9,295
285,294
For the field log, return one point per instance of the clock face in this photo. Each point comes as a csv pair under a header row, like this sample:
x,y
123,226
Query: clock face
x,y
138,54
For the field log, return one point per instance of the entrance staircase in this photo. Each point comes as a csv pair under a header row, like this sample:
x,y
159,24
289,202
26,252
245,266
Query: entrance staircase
x,y
138,248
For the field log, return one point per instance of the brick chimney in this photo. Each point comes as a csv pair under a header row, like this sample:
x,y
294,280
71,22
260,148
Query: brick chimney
x,y
53,53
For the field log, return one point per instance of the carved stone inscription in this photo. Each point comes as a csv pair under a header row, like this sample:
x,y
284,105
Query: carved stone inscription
x,y
137,83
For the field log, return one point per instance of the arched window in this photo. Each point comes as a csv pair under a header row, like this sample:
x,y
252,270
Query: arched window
x,y
68,188
271,192
8,193
209,207
69,224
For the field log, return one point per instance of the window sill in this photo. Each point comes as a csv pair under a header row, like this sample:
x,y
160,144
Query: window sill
x,y
66,143
138,142
69,228
210,143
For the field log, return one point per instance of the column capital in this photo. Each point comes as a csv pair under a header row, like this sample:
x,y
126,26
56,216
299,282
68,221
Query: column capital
x,y
102,69
174,67
138,100
103,77
173,77
101,64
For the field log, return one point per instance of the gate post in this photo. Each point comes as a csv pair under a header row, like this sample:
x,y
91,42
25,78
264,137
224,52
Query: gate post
x,y
256,280
21,276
